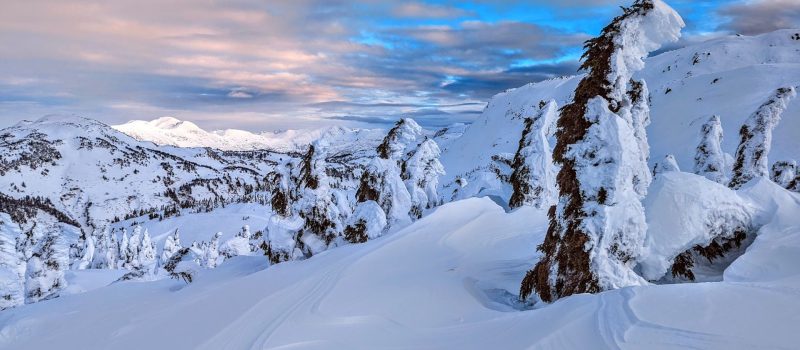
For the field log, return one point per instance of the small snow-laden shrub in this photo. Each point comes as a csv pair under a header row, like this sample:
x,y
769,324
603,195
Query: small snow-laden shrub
x,y
238,245
367,222
784,172
690,219
182,265
667,164
282,243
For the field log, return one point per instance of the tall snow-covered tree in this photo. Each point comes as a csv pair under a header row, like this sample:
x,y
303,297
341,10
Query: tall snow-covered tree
x,y
756,138
147,253
421,175
665,165
784,172
533,178
124,259
316,202
45,270
381,182
171,246
597,228
132,250
88,251
709,160
112,251
12,265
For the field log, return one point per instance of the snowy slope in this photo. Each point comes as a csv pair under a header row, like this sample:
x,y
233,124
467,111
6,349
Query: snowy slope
x,y
169,131
455,292
729,77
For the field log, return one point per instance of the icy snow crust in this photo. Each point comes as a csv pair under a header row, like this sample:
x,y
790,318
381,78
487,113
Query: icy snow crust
x,y
454,291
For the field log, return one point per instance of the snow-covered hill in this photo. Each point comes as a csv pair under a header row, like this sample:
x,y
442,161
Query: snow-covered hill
x,y
729,76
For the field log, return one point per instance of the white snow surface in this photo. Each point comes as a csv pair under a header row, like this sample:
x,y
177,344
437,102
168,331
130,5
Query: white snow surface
x,y
453,292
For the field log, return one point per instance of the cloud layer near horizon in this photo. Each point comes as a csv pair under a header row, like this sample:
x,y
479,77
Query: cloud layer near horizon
x,y
277,64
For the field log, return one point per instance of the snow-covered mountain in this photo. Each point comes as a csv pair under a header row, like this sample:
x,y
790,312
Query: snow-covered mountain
x,y
169,131
449,279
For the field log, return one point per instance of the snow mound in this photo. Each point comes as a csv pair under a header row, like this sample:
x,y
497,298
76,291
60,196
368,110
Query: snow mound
x,y
684,210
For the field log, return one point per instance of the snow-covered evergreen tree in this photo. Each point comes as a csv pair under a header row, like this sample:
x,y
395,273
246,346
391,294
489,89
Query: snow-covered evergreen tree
x,y
281,188
667,164
147,253
367,222
171,246
381,182
756,138
88,253
12,265
211,257
402,138
132,250
533,178
112,251
421,175
122,249
45,271
709,160
181,265
315,202
597,229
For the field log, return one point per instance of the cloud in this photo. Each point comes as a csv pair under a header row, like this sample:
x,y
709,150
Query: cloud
x,y
239,94
425,11
256,64
762,16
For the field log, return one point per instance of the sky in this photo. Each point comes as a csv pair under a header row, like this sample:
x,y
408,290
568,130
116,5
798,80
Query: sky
x,y
294,64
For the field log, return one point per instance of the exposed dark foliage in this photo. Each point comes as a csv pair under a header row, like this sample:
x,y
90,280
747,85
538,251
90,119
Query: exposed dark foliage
x,y
565,244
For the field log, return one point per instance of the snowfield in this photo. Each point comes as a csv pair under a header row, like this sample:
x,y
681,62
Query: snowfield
x,y
447,281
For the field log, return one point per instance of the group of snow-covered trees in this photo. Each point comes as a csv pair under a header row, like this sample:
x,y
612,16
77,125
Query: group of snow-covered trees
x,y
312,215
597,226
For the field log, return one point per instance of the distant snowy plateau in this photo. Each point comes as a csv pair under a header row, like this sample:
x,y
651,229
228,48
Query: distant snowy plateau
x,y
344,238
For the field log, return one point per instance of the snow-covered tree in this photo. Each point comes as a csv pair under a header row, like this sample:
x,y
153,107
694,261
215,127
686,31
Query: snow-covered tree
x,y
122,249
45,271
182,265
12,265
784,172
667,164
147,253
238,245
401,138
381,182
281,187
112,251
421,175
88,253
171,246
533,178
756,138
367,222
709,160
597,229
132,250
211,257
316,202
